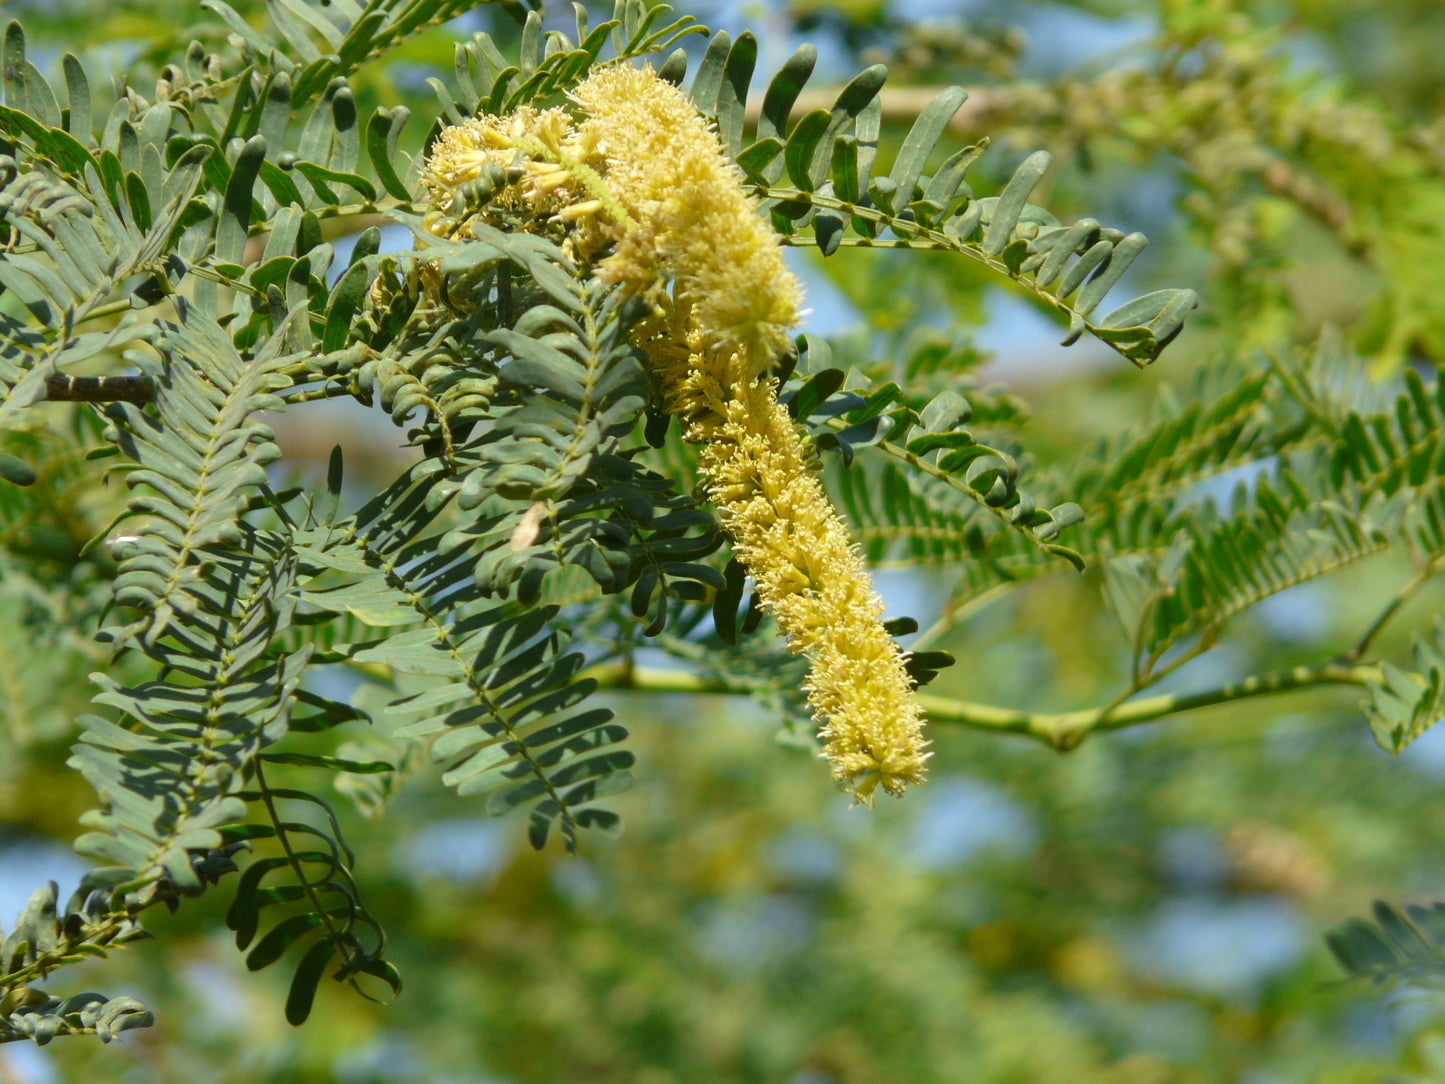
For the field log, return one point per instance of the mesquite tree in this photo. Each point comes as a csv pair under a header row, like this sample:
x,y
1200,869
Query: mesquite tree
x,y
622,441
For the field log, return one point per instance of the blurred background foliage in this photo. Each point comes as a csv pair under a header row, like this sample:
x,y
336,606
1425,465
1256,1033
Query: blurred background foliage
x,y
1146,909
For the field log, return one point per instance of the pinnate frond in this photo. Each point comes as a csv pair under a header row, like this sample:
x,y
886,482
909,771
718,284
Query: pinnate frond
x,y
499,710
937,473
198,460
1217,566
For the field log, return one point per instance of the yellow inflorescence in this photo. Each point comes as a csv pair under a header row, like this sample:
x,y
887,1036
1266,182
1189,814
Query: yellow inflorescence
x,y
463,153
644,173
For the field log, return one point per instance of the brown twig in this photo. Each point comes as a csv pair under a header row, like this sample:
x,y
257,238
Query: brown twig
x,y
99,389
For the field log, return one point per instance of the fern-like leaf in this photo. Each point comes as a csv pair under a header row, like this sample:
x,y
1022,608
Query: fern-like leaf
x,y
200,456
315,42
817,181
1132,483
551,62
500,712
312,886
1278,536
47,935
940,472
169,775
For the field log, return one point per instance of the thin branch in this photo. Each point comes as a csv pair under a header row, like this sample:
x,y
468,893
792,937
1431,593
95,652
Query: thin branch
x,y
1059,730
955,614
1413,584
113,308
1065,730
99,389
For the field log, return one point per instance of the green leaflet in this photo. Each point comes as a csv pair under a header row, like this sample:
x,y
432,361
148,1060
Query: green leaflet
x,y
1402,945
1403,704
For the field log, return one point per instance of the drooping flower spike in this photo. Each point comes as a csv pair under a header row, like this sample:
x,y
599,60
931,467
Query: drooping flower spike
x,y
644,176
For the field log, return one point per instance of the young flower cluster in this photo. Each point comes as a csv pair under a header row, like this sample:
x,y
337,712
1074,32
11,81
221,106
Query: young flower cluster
x,y
694,224
644,175
528,164
465,154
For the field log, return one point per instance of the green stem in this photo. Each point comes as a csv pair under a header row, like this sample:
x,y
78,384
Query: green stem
x,y
1065,730
331,391
954,616
1413,584
113,308
335,935
1060,730
1151,676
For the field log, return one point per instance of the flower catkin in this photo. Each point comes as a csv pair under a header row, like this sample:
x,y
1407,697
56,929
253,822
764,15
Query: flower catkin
x,y
648,177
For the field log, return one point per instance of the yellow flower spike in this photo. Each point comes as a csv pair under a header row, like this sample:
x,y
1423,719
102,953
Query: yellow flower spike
x,y
645,172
